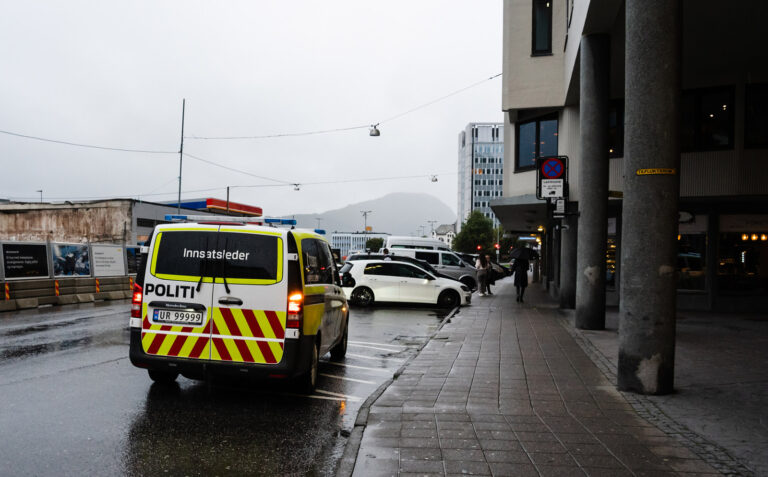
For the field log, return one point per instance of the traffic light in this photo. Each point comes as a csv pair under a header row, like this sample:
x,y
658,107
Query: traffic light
x,y
479,247
496,246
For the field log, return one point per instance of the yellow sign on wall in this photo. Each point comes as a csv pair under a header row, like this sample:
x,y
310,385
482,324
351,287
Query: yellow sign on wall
x,y
656,171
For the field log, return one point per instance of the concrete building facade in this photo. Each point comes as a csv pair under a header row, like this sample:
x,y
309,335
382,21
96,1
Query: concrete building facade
x,y
661,107
481,169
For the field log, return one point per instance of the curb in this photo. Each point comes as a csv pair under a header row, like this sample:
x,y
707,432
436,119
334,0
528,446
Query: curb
x,y
352,447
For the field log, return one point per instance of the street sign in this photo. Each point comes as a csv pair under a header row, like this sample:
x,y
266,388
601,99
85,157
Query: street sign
x,y
552,177
552,188
560,206
552,168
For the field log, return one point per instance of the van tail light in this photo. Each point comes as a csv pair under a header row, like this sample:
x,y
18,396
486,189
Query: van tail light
x,y
295,308
136,299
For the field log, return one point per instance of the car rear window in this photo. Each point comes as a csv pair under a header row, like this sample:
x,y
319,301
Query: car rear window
x,y
228,254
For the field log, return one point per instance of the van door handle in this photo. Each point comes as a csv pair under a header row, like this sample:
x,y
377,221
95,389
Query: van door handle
x,y
230,300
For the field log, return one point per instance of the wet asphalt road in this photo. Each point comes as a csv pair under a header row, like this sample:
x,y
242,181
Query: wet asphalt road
x,y
71,403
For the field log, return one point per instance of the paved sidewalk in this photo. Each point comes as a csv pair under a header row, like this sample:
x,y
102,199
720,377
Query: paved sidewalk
x,y
505,389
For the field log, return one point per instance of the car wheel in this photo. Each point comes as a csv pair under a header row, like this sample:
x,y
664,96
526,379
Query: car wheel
x,y
448,299
469,282
306,382
363,296
340,350
162,377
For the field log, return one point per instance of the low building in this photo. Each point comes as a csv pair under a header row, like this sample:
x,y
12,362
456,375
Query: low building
x,y
346,242
445,233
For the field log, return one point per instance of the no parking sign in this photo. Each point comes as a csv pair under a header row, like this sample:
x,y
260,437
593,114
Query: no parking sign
x,y
552,177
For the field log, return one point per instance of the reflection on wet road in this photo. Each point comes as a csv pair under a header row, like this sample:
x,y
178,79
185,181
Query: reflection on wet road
x,y
73,404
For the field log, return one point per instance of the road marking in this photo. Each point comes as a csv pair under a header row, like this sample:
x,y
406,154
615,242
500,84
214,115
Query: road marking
x,y
374,347
377,344
344,378
351,398
378,370
315,396
362,356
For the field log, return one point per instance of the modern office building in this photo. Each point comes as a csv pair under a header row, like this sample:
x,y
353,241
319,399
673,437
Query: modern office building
x,y
481,169
355,241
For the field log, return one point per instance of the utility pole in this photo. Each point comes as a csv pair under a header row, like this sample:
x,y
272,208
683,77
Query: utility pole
x,y
422,227
365,219
181,154
227,200
41,195
318,221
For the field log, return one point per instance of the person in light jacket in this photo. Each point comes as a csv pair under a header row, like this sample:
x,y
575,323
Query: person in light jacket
x,y
483,269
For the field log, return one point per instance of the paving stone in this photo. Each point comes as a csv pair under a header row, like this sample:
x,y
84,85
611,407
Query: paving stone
x,y
466,467
421,466
420,453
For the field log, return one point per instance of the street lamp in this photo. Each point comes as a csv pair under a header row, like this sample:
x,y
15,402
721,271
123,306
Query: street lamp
x,y
41,195
365,219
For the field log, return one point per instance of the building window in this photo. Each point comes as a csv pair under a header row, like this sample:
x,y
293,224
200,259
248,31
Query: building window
x,y
616,129
691,262
542,28
707,119
756,116
537,138
741,268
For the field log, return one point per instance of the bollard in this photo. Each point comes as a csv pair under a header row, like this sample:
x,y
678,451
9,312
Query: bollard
x,y
98,287
56,287
7,292
130,282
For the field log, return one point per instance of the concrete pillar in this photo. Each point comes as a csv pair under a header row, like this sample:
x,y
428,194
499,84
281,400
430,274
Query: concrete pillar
x,y
593,181
568,234
651,195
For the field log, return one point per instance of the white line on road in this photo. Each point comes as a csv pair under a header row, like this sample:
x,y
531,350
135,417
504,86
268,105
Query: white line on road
x,y
377,344
377,358
378,370
315,396
373,347
344,378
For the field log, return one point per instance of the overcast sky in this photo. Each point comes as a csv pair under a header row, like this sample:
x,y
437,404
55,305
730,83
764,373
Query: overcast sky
x,y
114,74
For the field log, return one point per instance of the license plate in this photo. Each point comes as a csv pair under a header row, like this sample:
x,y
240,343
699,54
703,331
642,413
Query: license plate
x,y
178,317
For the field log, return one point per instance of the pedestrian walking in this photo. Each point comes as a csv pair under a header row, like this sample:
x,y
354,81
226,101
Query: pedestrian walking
x,y
491,277
520,269
483,268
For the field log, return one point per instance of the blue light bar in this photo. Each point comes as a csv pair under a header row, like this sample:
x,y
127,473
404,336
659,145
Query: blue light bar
x,y
171,218
320,231
288,221
272,221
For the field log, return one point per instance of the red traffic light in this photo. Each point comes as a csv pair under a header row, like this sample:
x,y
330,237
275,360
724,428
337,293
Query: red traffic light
x,y
496,245
479,247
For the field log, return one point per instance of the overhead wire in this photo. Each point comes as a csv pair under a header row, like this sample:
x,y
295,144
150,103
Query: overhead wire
x,y
90,146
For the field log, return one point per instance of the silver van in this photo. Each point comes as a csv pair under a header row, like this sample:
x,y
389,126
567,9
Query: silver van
x,y
445,262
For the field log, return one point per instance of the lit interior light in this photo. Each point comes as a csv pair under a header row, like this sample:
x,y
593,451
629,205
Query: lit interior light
x,y
711,115
763,237
725,106
678,236
754,237
547,4
610,150
744,237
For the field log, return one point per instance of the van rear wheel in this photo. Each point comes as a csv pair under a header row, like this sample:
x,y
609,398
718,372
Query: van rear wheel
x,y
340,350
162,377
306,382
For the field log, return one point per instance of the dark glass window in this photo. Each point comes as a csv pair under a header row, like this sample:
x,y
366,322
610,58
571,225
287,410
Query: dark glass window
x,y
707,119
535,139
756,116
742,263
408,271
542,27
430,257
691,263
318,262
231,255
616,129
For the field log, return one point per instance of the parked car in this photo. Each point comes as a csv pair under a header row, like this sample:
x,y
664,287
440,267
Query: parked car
x,y
402,258
369,281
446,262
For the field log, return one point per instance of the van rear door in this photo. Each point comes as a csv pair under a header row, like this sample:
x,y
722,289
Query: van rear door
x,y
249,296
176,314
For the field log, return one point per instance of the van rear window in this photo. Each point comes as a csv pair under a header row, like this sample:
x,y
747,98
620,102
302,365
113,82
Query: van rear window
x,y
222,254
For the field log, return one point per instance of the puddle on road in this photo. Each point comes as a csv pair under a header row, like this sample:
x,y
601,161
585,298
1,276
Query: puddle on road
x,y
43,327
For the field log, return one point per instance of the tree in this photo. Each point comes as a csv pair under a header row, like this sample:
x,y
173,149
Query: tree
x,y
477,230
374,244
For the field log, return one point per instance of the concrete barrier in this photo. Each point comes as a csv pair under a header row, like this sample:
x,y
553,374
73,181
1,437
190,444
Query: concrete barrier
x,y
25,294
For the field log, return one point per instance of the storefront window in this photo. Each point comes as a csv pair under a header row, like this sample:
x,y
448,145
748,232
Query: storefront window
x,y
691,263
610,263
743,263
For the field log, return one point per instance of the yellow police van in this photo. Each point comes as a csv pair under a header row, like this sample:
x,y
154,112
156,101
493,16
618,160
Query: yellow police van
x,y
219,296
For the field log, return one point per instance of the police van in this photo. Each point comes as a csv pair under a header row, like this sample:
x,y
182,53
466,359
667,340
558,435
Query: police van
x,y
217,295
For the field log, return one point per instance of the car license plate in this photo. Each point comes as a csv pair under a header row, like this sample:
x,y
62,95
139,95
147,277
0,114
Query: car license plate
x,y
178,317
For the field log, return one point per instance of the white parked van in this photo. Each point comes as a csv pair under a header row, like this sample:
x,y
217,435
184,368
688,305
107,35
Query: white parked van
x,y
395,242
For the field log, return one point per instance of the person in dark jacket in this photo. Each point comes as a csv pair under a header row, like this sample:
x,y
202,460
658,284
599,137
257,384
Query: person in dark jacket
x,y
520,270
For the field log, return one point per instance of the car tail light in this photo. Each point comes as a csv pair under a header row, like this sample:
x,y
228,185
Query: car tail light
x,y
295,308
138,297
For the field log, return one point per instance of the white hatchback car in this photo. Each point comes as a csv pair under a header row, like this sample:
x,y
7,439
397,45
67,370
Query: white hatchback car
x,y
366,281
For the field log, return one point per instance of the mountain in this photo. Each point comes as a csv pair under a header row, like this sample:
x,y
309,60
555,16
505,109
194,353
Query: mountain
x,y
396,214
